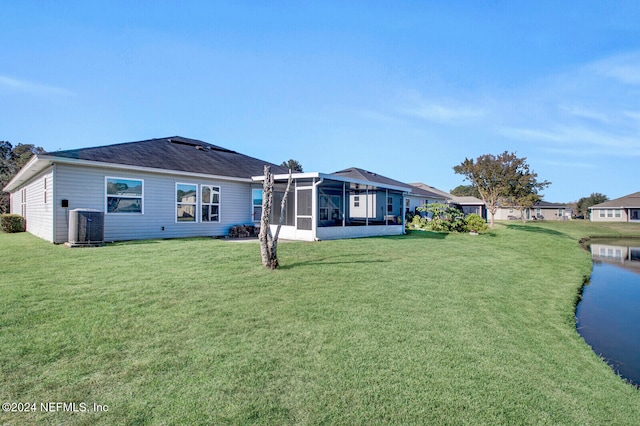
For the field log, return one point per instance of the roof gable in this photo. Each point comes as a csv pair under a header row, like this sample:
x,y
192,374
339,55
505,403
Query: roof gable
x,y
361,174
175,153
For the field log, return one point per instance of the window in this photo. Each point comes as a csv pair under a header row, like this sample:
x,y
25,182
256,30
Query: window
x,y
257,204
602,213
186,202
617,212
389,204
609,213
356,201
210,196
329,207
124,195
44,190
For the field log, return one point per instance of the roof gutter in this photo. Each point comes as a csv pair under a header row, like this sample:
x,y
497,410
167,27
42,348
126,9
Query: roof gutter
x,y
35,165
40,162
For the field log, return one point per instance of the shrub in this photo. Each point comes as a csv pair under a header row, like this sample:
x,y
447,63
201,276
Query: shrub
x,y
11,223
444,218
417,222
475,223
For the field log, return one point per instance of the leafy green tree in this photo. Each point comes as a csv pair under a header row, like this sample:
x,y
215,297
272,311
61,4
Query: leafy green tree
x,y
583,204
12,159
465,191
292,165
499,178
524,191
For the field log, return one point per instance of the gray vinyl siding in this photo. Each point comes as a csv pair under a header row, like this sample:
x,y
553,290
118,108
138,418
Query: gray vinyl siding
x,y
84,187
39,207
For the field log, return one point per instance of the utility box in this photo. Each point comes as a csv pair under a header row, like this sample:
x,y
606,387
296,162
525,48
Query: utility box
x,y
86,228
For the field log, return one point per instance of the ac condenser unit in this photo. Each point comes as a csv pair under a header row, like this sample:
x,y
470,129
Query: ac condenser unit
x,y
86,227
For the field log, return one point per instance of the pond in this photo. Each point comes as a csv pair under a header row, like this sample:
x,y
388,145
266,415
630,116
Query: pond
x,y
608,316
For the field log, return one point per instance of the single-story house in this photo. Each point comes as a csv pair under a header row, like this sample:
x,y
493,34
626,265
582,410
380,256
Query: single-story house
x,y
542,210
178,187
466,204
346,204
158,188
623,209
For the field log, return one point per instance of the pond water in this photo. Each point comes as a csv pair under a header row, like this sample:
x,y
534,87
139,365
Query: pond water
x,y
608,316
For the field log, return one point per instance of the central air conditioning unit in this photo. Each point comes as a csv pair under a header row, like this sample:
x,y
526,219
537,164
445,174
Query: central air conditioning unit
x,y
86,227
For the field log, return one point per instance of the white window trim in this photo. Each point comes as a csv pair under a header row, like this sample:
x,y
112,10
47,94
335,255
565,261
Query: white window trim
x,y
200,203
253,205
175,202
106,196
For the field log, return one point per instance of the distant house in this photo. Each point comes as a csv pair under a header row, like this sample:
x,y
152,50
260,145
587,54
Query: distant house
x,y
178,187
542,210
466,204
623,209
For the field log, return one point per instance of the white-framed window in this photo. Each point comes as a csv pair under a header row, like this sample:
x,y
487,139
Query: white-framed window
x,y
602,213
186,202
210,203
356,201
617,212
610,213
124,195
256,195
44,190
389,204
329,208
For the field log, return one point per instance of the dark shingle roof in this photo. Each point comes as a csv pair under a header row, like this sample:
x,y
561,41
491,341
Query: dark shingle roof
x,y
548,205
361,174
175,153
429,191
631,200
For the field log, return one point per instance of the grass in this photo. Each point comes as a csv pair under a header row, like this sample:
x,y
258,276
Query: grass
x,y
422,329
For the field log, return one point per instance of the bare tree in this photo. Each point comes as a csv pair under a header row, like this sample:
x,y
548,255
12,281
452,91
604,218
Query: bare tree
x,y
269,242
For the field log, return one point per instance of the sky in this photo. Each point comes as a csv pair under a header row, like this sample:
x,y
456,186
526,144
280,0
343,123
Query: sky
x,y
406,89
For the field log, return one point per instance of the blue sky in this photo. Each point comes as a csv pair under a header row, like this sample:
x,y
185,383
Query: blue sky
x,y
404,89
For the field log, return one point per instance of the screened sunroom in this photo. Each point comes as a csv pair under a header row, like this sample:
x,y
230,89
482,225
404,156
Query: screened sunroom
x,y
323,207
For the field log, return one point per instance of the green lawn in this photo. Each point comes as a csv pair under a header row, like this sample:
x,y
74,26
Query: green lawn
x,y
422,329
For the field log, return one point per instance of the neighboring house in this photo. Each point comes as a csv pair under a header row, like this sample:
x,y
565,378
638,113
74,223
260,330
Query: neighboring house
x,y
542,211
623,209
419,197
159,188
467,205
346,204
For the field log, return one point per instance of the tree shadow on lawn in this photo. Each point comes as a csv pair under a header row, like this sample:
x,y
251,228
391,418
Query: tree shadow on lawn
x,y
535,229
416,234
329,261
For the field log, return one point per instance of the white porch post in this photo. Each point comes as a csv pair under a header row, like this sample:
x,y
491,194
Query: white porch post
x,y
386,210
344,204
366,207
